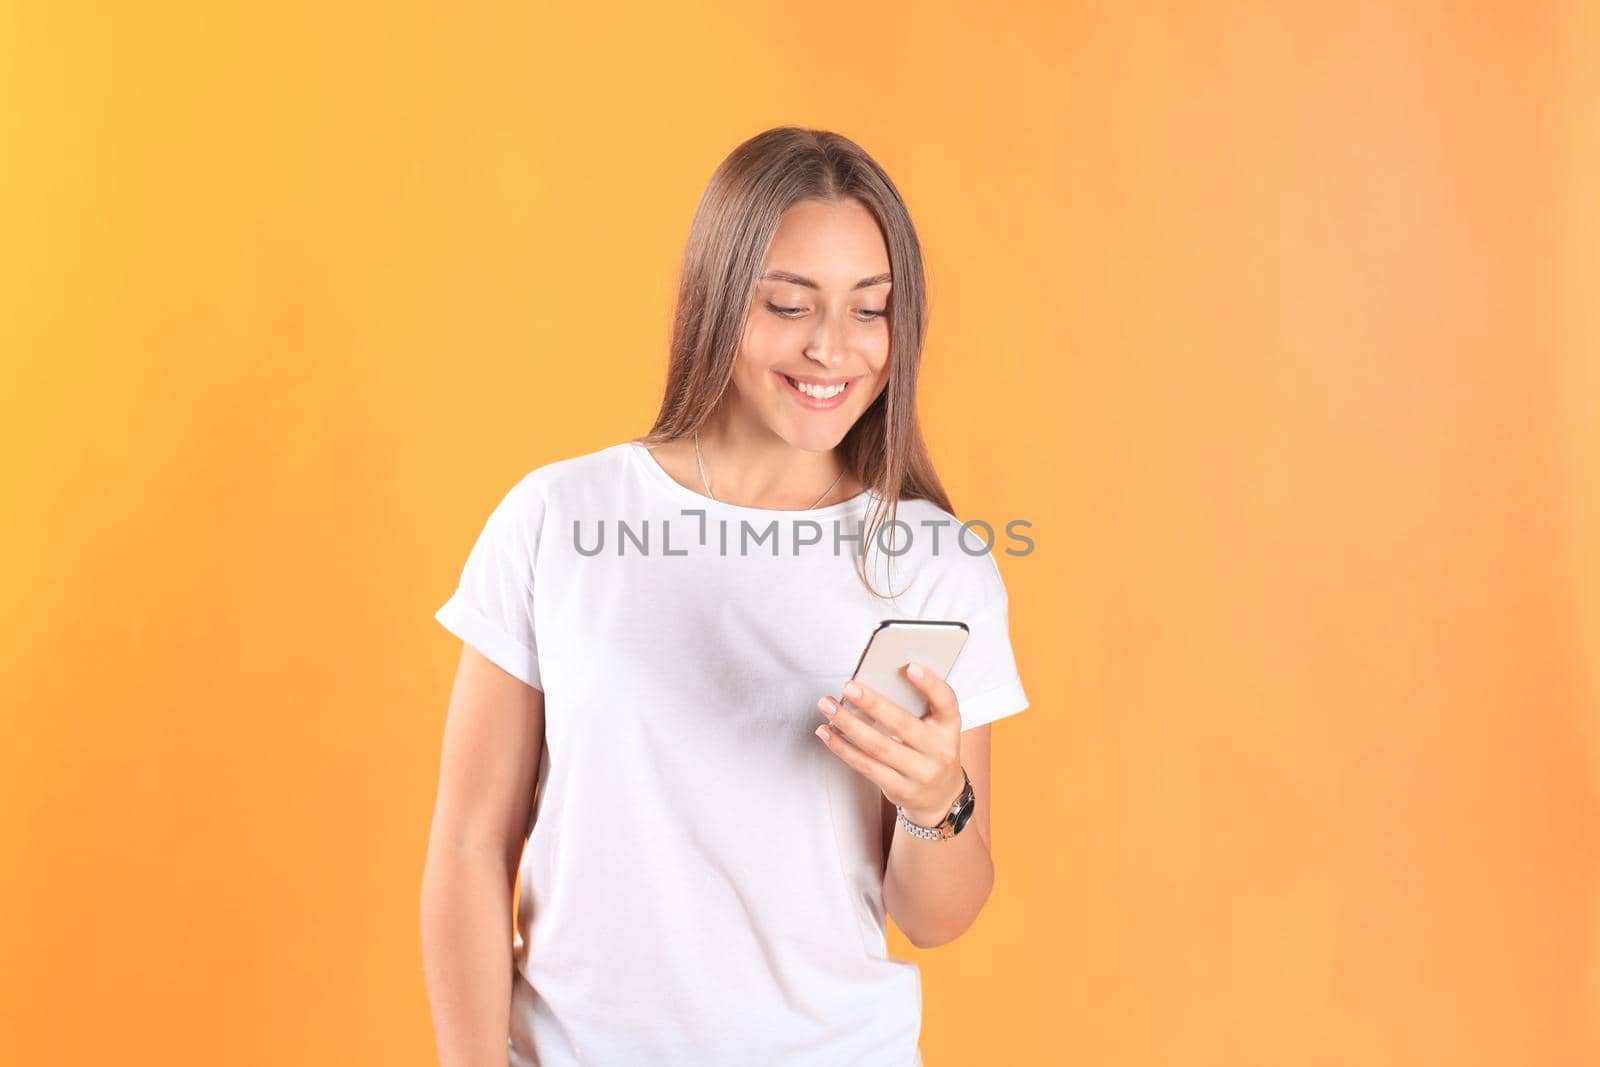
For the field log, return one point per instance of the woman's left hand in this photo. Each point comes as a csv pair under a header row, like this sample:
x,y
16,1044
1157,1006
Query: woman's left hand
x,y
919,767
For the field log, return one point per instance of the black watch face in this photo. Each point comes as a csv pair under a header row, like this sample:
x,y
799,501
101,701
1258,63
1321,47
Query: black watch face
x,y
963,815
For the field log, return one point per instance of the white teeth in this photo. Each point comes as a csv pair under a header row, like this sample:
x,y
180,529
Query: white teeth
x,y
818,391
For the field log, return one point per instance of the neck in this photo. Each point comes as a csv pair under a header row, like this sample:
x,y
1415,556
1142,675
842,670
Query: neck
x,y
751,466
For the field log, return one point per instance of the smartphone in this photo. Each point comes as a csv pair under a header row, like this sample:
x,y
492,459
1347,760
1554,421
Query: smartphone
x,y
933,643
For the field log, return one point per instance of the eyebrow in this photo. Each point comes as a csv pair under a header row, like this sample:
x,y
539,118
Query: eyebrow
x,y
795,279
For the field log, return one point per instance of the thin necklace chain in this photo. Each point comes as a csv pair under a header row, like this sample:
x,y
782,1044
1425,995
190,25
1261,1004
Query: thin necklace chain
x,y
707,483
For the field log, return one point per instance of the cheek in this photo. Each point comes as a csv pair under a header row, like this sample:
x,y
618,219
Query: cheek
x,y
878,356
762,340
770,330
880,374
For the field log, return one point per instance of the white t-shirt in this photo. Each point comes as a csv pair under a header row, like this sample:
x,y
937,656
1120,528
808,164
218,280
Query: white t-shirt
x,y
703,883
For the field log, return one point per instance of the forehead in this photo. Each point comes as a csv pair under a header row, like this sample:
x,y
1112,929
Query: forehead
x,y
836,243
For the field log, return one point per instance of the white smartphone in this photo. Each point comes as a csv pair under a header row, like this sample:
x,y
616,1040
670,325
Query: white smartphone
x,y
933,643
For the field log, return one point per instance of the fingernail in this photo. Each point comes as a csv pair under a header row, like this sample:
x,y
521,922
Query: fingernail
x,y
822,732
827,706
851,689
914,670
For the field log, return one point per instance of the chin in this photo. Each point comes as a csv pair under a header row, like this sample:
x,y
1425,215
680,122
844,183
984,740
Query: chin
x,y
814,437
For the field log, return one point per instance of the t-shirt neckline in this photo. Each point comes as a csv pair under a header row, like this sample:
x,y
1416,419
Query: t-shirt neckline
x,y
658,474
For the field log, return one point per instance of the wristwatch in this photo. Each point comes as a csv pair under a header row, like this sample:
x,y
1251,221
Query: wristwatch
x,y
958,816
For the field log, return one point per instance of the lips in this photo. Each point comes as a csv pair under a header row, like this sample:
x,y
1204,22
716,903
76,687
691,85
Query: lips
x,y
811,402
811,379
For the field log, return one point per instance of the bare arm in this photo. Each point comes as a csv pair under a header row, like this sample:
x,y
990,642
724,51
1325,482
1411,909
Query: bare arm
x,y
934,890
493,741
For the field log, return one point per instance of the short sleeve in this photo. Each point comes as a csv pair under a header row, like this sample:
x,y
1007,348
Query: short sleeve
x,y
984,677
492,606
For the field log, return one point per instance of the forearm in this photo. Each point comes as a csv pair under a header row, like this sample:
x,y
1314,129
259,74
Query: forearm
x,y
466,949
935,889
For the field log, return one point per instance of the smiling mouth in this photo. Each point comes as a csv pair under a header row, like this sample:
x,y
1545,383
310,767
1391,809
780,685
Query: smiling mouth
x,y
818,392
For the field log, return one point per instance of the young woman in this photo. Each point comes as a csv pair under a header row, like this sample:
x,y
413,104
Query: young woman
x,y
654,636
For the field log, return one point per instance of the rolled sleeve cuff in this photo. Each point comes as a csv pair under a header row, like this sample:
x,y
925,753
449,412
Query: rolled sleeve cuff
x,y
997,703
497,646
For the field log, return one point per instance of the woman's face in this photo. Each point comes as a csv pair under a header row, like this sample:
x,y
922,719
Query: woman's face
x,y
819,318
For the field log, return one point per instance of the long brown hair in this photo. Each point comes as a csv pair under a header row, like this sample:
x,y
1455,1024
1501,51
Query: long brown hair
x,y
728,240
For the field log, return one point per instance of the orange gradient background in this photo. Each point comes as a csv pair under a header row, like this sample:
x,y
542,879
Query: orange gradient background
x,y
1277,320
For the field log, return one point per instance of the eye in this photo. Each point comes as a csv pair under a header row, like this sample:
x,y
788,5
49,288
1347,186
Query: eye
x,y
867,314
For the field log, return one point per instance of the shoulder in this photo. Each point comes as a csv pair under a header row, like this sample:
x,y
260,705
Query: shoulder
x,y
958,554
562,478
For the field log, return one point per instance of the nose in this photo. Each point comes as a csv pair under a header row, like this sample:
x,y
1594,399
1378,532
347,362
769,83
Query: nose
x,y
827,343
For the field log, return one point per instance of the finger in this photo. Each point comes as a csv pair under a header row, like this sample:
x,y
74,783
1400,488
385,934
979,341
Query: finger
x,y
942,703
874,705
869,739
886,778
